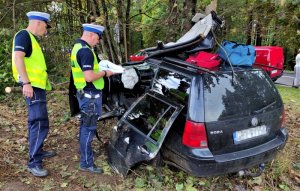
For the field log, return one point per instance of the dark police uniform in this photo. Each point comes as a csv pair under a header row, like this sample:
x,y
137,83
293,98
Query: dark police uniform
x,y
89,99
38,122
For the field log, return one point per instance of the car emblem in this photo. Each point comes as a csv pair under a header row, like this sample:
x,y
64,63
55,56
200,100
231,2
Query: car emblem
x,y
254,121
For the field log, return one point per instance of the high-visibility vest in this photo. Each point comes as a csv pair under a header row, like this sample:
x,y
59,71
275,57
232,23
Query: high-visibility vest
x,y
77,72
35,66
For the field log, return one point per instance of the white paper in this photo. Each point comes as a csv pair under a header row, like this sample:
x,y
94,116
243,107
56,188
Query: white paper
x,y
107,65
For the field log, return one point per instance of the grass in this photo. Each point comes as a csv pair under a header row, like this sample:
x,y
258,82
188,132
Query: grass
x,y
290,95
289,71
283,164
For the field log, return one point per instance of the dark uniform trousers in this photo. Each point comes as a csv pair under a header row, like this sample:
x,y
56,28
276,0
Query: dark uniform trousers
x,y
38,125
90,103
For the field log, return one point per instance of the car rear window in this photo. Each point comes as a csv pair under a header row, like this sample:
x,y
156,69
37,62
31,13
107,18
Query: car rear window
x,y
172,85
250,93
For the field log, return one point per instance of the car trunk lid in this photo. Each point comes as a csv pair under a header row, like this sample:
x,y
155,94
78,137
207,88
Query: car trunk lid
x,y
240,114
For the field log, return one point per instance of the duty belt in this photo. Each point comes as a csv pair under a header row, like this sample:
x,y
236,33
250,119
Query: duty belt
x,y
91,96
82,93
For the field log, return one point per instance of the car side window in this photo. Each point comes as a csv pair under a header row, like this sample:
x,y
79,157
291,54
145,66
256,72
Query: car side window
x,y
174,86
151,117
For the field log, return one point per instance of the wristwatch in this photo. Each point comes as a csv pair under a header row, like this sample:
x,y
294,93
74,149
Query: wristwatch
x,y
25,83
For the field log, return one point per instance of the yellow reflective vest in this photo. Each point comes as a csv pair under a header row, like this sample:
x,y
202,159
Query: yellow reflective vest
x,y
35,66
77,72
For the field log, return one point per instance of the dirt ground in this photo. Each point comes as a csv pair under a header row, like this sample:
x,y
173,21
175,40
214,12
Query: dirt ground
x,y
281,173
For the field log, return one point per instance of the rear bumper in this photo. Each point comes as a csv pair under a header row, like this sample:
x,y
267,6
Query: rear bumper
x,y
203,164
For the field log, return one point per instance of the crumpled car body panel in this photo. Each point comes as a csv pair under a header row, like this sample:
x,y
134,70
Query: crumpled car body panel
x,y
141,131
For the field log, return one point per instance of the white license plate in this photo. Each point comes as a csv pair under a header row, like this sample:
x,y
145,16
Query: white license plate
x,y
251,133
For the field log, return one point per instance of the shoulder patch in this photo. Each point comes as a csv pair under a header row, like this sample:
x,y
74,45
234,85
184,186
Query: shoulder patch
x,y
20,47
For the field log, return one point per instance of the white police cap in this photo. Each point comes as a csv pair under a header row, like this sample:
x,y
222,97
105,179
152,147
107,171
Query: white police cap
x,y
98,29
35,15
42,16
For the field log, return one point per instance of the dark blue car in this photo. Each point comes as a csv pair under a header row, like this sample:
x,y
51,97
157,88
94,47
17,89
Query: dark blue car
x,y
203,123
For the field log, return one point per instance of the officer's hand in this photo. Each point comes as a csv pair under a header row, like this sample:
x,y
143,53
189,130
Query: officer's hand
x,y
28,90
109,73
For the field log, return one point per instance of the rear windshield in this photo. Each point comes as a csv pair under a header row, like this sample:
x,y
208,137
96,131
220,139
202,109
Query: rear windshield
x,y
252,93
172,85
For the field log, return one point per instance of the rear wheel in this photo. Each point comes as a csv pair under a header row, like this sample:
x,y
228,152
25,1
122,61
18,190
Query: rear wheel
x,y
157,160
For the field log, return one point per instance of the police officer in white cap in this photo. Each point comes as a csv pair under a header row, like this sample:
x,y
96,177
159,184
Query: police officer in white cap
x,y
88,80
30,71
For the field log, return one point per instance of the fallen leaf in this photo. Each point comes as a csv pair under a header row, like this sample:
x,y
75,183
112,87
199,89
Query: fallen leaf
x,y
190,188
257,180
149,168
258,188
296,165
22,140
284,187
295,174
65,167
202,183
139,183
179,187
64,185
240,188
65,174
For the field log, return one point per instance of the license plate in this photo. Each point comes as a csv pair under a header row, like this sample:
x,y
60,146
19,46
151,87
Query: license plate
x,y
247,134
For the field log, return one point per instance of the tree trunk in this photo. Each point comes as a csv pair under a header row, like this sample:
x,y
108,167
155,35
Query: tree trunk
x,y
14,15
127,21
249,28
172,21
80,8
187,14
96,10
107,41
122,29
88,10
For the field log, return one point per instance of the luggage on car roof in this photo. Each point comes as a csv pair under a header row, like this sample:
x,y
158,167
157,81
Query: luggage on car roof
x,y
237,54
205,59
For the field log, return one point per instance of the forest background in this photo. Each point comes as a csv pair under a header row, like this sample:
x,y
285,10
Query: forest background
x,y
132,25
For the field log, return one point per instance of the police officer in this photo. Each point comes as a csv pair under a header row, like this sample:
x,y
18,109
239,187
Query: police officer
x,y
29,69
88,80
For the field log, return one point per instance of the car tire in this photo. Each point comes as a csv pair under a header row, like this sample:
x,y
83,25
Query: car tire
x,y
157,161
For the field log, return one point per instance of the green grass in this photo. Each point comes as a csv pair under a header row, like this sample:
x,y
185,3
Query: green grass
x,y
290,95
289,71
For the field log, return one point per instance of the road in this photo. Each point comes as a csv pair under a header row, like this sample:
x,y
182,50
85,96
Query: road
x,y
286,79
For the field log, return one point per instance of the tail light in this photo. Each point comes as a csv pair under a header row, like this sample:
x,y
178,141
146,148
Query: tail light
x,y
194,135
282,120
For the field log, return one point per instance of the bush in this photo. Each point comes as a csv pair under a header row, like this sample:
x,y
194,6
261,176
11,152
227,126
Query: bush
x,y
6,78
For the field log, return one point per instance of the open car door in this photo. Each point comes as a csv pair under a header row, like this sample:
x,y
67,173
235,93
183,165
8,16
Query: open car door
x,y
141,131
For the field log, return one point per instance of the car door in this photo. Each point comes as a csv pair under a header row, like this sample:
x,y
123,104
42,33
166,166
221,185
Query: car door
x,y
140,133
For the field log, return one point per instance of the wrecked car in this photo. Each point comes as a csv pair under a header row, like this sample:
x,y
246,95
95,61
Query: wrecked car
x,y
205,122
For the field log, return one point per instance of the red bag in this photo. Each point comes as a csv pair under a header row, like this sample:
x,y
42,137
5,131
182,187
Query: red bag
x,y
205,60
